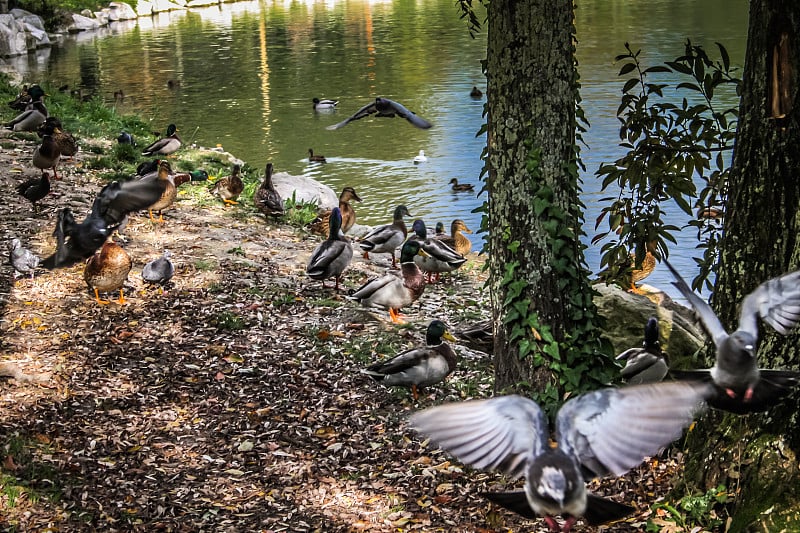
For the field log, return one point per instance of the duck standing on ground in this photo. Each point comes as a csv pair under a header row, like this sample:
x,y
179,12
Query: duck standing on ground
x,y
107,271
333,255
266,198
167,145
383,107
47,155
164,176
394,292
23,260
438,256
67,144
230,187
385,239
419,367
35,189
320,224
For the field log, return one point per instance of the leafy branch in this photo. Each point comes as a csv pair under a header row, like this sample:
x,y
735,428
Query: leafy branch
x,y
671,147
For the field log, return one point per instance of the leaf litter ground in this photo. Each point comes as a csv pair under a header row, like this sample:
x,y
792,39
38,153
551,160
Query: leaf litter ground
x,y
232,401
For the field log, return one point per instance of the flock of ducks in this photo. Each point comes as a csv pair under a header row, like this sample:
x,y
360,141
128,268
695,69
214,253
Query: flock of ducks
x,y
604,432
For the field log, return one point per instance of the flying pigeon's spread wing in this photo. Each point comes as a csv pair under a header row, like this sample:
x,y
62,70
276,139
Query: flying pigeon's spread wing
x,y
776,301
710,321
504,433
401,111
365,111
611,430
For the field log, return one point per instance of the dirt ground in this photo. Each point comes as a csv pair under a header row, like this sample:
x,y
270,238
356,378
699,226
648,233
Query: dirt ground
x,y
232,401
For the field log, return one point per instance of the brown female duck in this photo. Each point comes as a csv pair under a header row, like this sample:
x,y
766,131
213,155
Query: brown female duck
x,y
230,187
320,225
107,271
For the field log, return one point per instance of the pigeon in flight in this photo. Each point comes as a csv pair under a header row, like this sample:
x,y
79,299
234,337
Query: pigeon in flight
x,y
646,364
744,387
607,431
383,107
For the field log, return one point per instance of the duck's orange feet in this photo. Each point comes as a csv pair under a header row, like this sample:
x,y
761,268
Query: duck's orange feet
x,y
98,300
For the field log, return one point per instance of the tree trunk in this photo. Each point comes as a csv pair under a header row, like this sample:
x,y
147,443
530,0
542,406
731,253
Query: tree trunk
x,y
536,259
755,456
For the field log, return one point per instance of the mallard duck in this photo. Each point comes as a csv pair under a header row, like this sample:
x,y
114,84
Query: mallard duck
x,y
22,100
439,231
35,189
391,291
420,367
67,144
266,198
166,145
646,364
383,107
34,114
478,336
170,190
461,187
47,154
638,274
456,240
333,255
23,260
438,256
420,157
385,239
230,187
320,225
107,271
324,104
627,275
315,158
159,271
475,92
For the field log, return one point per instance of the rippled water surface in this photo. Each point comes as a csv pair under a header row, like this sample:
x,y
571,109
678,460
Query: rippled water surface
x,y
243,76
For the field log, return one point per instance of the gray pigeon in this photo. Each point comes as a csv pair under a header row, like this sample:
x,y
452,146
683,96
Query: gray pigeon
x,y
23,260
383,107
646,364
735,370
159,270
608,431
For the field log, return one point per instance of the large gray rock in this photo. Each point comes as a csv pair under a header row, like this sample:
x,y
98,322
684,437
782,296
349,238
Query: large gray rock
x,y
13,40
627,313
120,11
305,190
80,23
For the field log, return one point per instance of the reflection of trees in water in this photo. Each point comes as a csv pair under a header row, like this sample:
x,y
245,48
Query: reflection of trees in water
x,y
89,69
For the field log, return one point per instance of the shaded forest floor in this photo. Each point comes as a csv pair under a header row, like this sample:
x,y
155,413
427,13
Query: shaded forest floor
x,y
232,401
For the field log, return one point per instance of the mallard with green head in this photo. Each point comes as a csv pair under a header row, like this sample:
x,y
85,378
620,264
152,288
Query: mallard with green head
x,y
391,291
385,239
167,145
420,367
438,256
333,255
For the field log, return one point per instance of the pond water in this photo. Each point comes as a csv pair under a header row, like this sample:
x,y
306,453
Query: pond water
x,y
243,75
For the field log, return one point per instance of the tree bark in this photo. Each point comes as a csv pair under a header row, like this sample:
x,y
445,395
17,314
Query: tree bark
x,y
532,92
755,456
